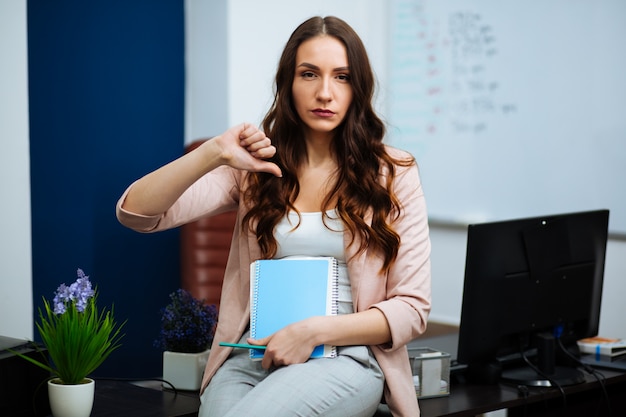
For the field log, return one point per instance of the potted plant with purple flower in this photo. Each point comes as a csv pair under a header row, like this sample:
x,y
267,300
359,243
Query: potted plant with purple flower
x,y
187,330
78,338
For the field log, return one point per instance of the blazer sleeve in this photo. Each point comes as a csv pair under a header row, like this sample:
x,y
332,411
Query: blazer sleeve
x,y
214,193
408,286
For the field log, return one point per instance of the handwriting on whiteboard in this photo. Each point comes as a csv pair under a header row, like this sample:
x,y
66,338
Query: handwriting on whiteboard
x,y
441,80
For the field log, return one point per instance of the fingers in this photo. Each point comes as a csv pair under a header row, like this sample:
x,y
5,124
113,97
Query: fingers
x,y
258,342
268,361
247,148
248,129
260,147
282,349
255,140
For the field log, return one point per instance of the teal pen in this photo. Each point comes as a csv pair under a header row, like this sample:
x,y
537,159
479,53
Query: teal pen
x,y
242,345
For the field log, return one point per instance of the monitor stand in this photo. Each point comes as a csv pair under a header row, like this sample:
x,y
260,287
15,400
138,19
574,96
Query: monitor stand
x,y
545,373
562,376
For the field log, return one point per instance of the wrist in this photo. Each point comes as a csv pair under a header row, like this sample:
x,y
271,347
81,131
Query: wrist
x,y
320,329
211,154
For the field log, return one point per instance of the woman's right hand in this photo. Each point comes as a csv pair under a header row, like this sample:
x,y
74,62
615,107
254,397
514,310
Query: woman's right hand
x,y
243,147
246,147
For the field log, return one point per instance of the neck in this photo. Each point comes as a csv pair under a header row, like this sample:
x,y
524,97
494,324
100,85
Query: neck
x,y
319,152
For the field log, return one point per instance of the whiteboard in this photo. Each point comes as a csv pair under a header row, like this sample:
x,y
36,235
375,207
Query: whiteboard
x,y
511,108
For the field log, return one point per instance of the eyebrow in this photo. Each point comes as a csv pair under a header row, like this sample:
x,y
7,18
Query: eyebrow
x,y
315,67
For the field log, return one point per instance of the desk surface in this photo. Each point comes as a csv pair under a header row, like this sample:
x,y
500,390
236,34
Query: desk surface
x,y
467,399
121,399
471,399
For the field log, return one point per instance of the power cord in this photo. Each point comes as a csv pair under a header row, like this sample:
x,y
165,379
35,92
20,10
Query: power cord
x,y
524,392
172,387
545,376
36,394
591,371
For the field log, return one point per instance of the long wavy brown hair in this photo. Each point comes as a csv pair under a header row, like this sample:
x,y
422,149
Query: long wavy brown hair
x,y
357,145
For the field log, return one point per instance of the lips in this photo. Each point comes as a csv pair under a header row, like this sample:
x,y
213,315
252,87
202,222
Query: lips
x,y
323,112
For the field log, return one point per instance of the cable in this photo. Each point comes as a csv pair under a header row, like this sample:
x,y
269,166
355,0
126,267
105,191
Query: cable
x,y
524,392
541,373
173,388
36,394
590,370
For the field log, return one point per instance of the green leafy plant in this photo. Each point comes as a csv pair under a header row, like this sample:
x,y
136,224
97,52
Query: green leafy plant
x,y
77,335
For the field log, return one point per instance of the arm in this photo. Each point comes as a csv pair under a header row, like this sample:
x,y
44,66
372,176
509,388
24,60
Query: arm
x,y
408,285
298,340
243,147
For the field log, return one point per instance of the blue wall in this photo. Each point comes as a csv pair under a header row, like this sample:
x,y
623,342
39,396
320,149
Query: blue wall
x,y
106,91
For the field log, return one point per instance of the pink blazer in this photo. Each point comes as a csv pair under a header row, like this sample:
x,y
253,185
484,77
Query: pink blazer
x,y
403,294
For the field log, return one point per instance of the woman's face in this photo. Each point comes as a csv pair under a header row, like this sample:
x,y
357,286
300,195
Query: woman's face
x,y
322,92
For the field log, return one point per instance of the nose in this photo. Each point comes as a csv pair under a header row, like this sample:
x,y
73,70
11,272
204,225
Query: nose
x,y
324,93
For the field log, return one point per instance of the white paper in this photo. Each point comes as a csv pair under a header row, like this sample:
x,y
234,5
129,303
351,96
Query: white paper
x,y
431,377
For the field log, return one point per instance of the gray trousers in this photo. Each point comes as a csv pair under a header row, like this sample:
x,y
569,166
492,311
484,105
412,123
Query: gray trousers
x,y
349,385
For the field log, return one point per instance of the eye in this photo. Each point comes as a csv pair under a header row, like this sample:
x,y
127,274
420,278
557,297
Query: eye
x,y
344,77
307,74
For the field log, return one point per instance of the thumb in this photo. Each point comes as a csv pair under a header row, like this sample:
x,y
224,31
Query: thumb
x,y
259,342
269,167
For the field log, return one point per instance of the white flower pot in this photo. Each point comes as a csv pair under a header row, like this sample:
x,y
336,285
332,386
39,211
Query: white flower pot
x,y
71,400
184,370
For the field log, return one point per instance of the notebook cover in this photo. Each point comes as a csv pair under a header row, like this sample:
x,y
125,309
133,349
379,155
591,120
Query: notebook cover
x,y
284,291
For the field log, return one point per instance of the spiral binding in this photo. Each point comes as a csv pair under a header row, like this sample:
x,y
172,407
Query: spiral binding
x,y
334,298
255,302
335,288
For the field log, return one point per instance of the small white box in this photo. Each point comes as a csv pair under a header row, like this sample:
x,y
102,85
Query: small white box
x,y
431,372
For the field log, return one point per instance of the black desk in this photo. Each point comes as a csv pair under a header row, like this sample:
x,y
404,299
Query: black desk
x,y
581,400
122,399
470,399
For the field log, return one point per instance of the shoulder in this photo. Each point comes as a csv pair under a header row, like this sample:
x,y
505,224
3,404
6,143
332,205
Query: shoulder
x,y
403,162
405,182
398,153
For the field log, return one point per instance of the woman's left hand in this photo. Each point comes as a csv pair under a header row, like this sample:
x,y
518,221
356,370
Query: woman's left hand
x,y
292,344
295,343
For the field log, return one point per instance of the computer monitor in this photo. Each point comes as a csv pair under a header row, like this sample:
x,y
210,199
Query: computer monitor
x,y
527,281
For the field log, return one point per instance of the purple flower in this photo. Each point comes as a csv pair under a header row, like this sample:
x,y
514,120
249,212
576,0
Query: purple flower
x,y
61,297
187,324
79,293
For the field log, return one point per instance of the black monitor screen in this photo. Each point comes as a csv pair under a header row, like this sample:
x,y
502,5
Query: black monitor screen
x,y
525,277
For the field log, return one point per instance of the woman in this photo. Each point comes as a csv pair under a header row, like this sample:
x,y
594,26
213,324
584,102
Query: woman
x,y
323,185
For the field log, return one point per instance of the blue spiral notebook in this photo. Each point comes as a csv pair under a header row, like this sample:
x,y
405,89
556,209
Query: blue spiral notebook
x,y
284,291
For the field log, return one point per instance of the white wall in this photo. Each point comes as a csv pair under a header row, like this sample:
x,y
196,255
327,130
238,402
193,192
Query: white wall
x,y
613,310
206,68
15,242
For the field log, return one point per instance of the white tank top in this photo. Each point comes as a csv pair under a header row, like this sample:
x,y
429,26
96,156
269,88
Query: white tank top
x,y
314,238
